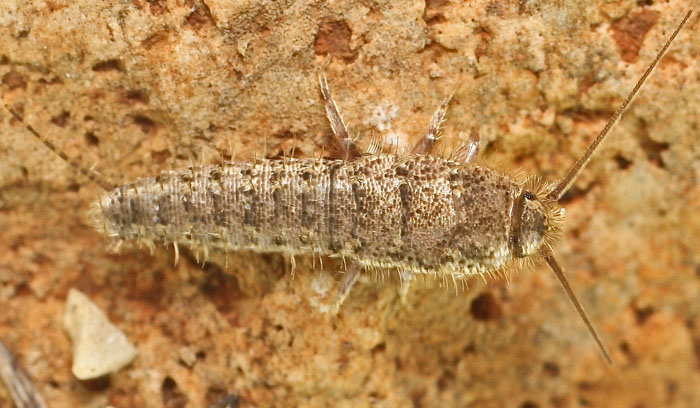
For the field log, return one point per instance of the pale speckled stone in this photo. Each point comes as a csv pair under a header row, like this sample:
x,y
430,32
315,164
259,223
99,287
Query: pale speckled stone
x,y
99,347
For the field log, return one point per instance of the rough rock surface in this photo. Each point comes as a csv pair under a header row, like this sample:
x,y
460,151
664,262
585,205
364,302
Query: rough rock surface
x,y
139,86
99,347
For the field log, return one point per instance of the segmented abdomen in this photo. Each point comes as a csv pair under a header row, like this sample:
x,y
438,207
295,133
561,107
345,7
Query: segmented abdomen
x,y
421,213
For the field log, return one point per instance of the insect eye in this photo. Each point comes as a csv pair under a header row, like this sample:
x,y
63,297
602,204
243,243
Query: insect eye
x,y
529,196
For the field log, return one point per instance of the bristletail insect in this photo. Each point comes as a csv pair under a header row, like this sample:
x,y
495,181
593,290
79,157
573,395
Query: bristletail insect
x,y
417,213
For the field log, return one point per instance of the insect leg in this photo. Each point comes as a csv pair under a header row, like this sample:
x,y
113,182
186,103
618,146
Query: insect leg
x,y
468,152
348,149
425,145
346,284
406,279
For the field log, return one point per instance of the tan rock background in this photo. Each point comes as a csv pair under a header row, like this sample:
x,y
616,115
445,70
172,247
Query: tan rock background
x,y
136,87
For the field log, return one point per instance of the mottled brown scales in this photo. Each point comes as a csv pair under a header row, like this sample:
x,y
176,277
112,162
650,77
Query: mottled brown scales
x,y
418,213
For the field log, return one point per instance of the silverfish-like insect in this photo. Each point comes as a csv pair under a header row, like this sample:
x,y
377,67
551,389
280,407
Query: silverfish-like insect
x,y
416,213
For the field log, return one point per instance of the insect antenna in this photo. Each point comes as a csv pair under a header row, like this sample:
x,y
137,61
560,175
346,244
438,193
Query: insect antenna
x,y
559,272
90,174
563,186
558,192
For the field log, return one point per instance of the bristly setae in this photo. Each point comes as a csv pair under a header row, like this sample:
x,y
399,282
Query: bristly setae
x,y
417,213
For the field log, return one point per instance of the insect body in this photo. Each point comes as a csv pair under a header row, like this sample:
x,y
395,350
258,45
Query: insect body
x,y
416,213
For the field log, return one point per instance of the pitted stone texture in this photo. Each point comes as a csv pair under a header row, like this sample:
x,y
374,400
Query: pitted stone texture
x,y
140,87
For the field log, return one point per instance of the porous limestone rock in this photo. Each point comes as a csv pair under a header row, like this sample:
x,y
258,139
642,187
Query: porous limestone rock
x,y
137,87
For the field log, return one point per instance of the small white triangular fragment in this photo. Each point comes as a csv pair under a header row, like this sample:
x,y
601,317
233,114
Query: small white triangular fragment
x,y
99,347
